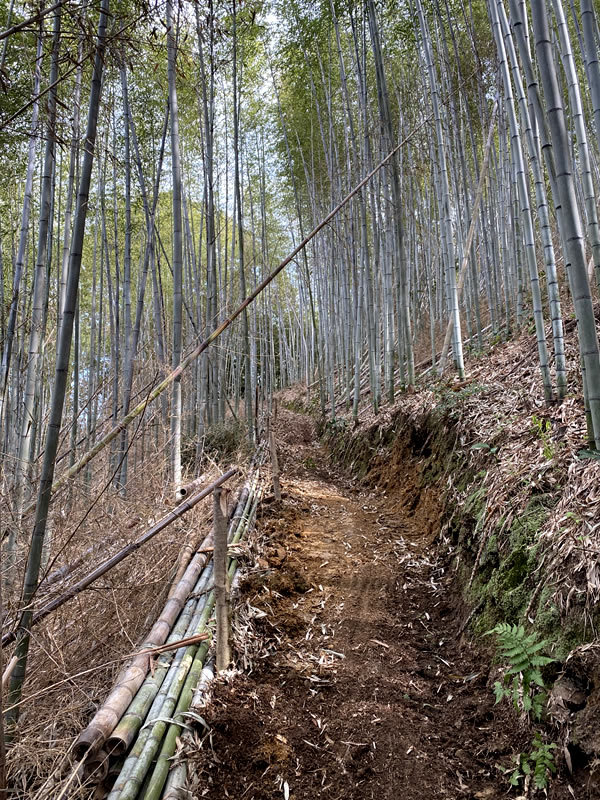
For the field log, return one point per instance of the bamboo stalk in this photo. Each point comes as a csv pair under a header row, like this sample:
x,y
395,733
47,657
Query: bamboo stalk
x,y
205,344
175,785
161,770
130,680
467,250
9,671
220,583
274,467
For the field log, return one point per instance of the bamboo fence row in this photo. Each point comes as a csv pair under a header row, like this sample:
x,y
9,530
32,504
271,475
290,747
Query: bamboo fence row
x,y
132,739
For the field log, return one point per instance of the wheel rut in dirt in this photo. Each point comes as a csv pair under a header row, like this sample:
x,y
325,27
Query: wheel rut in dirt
x,y
357,685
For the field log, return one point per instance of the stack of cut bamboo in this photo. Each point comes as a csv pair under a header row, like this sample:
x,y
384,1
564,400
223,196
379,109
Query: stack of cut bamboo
x,y
133,735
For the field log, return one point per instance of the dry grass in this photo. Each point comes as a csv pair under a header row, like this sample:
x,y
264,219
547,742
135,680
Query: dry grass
x,y
77,651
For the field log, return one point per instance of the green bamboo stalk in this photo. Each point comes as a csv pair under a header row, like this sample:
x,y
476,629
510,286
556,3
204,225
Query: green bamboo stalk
x,y
175,785
150,738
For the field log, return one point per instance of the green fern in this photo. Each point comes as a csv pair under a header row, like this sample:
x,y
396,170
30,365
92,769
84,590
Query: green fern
x,y
539,764
542,760
523,683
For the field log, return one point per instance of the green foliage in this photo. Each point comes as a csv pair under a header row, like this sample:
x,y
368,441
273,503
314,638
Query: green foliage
x,y
523,683
484,446
588,454
221,442
542,428
538,763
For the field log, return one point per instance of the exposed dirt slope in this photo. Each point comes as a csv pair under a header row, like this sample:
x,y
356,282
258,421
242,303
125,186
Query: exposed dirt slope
x,y
369,691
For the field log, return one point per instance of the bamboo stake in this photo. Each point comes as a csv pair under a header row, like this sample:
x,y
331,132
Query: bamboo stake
x,y
274,467
107,565
465,262
220,583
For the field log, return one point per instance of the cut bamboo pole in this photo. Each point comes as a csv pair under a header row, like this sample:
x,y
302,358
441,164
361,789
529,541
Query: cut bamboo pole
x,y
130,680
175,785
172,690
122,736
220,583
160,773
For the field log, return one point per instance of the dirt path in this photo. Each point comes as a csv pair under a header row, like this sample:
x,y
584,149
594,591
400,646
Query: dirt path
x,y
360,686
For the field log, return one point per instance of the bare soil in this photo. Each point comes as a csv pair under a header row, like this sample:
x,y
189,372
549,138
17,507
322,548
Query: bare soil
x,y
364,685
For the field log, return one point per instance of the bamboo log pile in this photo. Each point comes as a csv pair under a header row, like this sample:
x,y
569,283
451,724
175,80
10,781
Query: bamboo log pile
x,y
135,732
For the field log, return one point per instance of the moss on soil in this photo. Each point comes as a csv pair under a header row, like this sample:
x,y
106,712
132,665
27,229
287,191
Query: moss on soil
x,y
507,576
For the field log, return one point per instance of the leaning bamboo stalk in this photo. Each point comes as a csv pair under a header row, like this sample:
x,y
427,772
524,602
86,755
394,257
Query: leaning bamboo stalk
x,y
107,565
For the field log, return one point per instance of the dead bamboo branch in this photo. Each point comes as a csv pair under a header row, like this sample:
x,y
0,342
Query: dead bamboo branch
x,y
8,671
122,554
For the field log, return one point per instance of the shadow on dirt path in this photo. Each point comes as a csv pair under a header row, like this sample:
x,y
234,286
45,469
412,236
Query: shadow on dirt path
x,y
360,685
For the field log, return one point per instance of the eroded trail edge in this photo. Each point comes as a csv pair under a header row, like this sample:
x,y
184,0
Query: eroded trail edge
x,y
357,682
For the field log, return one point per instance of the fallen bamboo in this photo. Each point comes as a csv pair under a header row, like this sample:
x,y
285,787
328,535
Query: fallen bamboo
x,y
158,704
111,562
130,723
158,778
187,488
220,583
175,785
121,699
107,717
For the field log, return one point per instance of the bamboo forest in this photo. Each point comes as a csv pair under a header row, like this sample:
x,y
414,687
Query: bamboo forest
x,y
299,399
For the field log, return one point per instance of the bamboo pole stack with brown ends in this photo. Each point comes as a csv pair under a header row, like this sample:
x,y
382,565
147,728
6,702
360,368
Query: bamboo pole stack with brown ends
x,y
133,675
138,717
